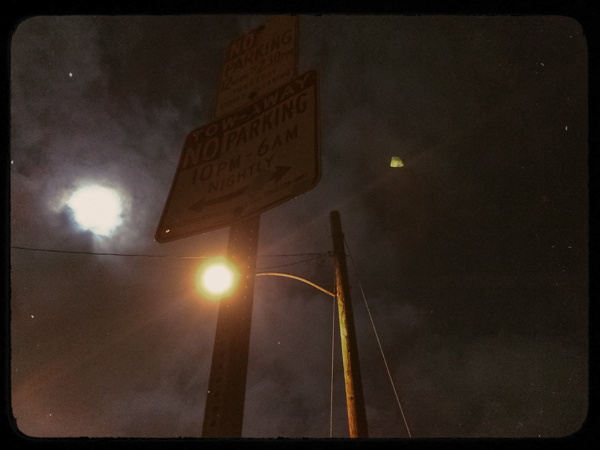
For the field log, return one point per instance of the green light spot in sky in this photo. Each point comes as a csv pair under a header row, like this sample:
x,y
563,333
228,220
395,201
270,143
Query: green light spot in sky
x,y
396,162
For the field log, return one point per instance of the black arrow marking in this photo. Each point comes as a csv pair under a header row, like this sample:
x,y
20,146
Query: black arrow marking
x,y
200,204
279,173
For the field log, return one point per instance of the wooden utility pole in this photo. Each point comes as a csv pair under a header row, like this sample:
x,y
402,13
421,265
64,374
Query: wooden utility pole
x,y
357,417
224,410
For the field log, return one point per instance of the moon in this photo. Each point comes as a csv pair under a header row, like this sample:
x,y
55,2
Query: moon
x,y
97,208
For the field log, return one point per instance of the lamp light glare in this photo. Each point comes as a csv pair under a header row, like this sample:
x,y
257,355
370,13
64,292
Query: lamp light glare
x,y
217,278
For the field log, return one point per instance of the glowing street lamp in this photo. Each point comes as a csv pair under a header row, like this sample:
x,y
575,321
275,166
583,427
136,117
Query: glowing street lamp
x,y
217,278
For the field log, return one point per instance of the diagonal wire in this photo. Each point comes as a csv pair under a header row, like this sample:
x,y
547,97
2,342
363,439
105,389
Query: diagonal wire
x,y
332,359
290,264
377,337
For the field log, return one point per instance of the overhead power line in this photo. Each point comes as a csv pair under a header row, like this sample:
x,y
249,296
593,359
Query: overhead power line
x,y
290,264
316,255
105,254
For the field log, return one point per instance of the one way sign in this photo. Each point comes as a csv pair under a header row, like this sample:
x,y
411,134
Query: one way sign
x,y
246,163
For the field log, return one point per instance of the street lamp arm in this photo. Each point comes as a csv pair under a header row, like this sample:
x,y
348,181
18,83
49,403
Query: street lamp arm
x,y
277,274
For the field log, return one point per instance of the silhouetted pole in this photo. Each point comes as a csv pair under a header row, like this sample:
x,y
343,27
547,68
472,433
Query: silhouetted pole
x,y
224,410
357,417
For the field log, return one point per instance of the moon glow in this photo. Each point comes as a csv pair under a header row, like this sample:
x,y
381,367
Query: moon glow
x,y
97,209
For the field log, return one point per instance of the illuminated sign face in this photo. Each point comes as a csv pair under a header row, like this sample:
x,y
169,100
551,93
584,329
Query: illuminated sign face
x,y
258,62
246,163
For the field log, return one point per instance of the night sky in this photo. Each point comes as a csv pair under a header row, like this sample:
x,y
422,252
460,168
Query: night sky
x,y
473,257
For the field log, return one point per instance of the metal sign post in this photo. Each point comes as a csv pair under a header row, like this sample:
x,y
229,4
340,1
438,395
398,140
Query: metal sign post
x,y
224,410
